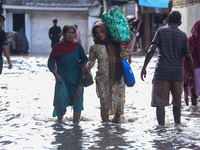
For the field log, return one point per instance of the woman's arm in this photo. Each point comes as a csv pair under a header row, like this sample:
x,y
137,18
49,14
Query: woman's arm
x,y
85,58
190,65
57,76
91,61
126,52
51,67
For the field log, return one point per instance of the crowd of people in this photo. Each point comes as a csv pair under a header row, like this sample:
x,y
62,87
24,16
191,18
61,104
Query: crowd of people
x,y
178,66
173,52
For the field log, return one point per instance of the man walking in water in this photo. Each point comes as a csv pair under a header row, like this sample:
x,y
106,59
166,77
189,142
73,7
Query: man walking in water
x,y
168,77
3,45
54,33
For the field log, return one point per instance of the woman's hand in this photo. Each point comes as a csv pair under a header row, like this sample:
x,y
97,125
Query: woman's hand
x,y
58,78
86,69
192,82
129,59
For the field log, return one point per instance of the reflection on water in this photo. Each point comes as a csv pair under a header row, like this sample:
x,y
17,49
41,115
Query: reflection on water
x,y
26,122
110,137
69,137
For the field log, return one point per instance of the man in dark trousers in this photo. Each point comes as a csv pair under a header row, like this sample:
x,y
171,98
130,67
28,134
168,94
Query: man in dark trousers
x,y
54,33
3,45
169,72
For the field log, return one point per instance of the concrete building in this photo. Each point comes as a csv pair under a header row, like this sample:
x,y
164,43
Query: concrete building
x,y
35,16
190,13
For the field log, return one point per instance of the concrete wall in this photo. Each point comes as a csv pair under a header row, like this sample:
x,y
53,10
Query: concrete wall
x,y
42,20
190,15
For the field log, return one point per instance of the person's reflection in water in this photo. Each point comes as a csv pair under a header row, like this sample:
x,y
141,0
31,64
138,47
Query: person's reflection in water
x,y
166,137
68,139
110,137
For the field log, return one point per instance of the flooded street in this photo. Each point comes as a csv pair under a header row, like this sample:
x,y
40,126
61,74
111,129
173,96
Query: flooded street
x,y
26,122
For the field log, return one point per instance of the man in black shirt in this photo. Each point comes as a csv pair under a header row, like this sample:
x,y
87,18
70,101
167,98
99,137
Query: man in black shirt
x,y
3,45
54,33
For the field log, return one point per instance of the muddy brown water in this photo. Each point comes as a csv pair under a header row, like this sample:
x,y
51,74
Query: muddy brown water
x,y
26,122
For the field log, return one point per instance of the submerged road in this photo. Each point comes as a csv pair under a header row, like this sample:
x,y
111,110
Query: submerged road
x,y
26,122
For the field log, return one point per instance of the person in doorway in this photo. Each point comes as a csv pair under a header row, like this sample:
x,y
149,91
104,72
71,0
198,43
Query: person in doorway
x,y
22,44
54,33
78,35
3,45
194,44
109,77
66,54
168,76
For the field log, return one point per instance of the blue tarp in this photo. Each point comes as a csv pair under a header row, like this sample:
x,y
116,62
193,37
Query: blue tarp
x,y
154,3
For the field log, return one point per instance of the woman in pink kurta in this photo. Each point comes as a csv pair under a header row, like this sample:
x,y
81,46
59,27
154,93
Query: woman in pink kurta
x,y
78,35
110,85
194,43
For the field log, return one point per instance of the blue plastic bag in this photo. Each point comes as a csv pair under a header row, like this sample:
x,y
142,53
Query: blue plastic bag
x,y
61,98
128,74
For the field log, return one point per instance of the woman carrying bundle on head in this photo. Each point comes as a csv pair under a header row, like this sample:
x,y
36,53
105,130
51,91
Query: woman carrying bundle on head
x,y
110,85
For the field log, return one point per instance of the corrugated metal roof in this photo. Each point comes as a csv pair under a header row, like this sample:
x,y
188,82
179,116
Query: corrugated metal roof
x,y
53,3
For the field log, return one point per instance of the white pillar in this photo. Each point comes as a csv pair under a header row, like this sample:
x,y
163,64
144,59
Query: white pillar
x,y
104,5
28,28
9,22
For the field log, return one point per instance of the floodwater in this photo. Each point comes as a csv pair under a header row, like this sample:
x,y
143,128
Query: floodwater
x,y
26,122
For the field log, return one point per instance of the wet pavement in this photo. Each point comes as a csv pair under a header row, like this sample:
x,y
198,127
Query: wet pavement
x,y
26,122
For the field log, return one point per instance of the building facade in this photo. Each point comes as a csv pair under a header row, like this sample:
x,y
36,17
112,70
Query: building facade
x,y
190,13
35,16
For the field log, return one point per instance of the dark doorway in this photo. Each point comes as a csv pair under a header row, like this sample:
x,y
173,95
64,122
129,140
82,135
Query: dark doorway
x,y
18,22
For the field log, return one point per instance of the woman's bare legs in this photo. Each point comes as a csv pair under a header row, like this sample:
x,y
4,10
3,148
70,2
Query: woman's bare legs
x,y
186,94
60,120
194,101
194,97
116,119
105,118
76,117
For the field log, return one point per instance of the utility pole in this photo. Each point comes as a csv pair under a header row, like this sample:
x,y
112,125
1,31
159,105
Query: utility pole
x,y
104,5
